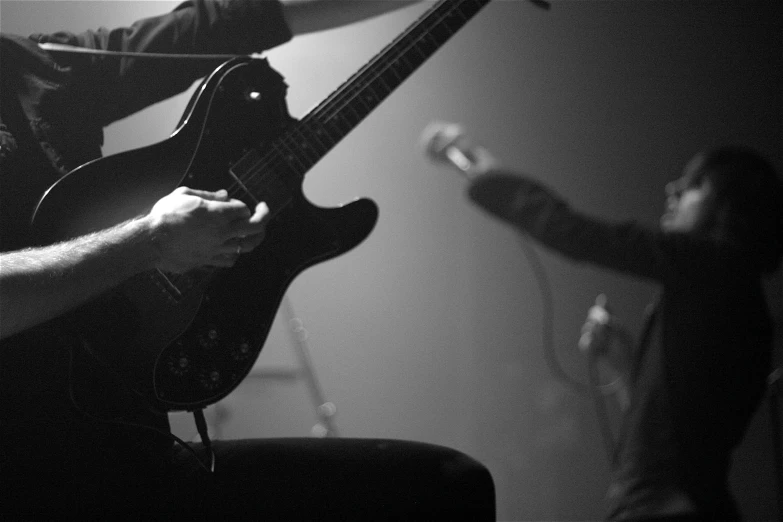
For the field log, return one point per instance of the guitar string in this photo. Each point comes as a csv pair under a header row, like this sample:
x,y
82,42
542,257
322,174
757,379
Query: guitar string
x,y
343,97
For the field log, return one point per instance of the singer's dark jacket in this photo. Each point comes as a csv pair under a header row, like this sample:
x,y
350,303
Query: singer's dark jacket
x,y
702,374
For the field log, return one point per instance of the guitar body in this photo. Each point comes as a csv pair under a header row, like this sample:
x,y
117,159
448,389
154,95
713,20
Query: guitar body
x,y
182,342
185,341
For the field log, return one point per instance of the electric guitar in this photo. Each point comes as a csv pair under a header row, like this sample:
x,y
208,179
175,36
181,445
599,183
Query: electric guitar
x,y
185,341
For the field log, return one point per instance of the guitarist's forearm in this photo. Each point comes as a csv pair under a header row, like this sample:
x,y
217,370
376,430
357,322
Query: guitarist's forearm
x,y
39,284
307,16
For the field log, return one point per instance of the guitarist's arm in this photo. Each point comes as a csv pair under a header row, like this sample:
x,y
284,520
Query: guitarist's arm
x,y
307,16
118,88
184,230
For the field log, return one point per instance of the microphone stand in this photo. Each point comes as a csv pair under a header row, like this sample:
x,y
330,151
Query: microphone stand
x,y
304,370
325,410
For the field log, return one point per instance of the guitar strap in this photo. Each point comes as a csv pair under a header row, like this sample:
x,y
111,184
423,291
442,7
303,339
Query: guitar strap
x,y
203,432
72,49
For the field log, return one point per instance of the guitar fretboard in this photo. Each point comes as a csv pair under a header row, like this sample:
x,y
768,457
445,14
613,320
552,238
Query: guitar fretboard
x,y
306,142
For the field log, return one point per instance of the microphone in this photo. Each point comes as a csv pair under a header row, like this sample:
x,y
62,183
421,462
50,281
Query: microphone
x,y
496,191
596,330
446,142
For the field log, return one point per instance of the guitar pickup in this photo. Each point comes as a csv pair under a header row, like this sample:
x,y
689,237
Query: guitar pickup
x,y
275,194
259,184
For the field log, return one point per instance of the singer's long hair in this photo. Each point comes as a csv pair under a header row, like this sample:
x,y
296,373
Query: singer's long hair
x,y
749,193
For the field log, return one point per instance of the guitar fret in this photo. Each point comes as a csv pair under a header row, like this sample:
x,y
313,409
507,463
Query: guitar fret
x,y
338,120
291,159
459,12
335,131
382,87
353,111
371,97
322,135
442,32
422,54
406,60
316,142
307,155
430,40
362,100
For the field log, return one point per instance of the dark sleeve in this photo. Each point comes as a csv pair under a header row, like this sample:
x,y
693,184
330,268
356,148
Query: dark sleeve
x,y
118,87
625,246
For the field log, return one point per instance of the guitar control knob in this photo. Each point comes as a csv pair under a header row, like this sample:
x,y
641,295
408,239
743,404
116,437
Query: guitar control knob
x,y
179,364
211,380
209,339
241,351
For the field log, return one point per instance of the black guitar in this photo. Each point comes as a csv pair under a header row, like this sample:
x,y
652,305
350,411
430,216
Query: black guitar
x,y
186,341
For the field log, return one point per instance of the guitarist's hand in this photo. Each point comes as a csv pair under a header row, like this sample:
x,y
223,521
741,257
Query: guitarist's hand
x,y
195,228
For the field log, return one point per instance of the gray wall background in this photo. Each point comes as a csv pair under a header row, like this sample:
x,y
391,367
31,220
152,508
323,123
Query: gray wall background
x,y
431,329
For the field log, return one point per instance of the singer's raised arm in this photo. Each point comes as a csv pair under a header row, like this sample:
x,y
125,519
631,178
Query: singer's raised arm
x,y
625,246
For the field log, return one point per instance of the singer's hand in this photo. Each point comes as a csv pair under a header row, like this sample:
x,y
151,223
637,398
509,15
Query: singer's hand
x,y
596,331
447,143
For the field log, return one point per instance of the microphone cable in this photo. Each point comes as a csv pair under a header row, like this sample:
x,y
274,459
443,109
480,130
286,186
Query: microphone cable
x,y
547,320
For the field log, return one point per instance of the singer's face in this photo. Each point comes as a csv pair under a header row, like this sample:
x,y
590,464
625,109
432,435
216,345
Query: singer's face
x,y
690,201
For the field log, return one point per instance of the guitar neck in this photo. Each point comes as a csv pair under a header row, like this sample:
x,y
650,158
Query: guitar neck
x,y
328,123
